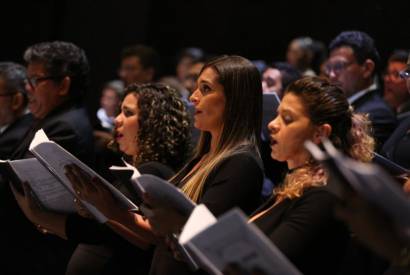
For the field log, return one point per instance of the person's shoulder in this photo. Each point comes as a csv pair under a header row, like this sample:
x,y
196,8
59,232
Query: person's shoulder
x,y
244,156
374,102
318,195
157,169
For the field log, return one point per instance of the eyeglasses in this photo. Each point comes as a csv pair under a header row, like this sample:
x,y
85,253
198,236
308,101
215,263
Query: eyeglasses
x,y
34,80
392,74
405,74
337,67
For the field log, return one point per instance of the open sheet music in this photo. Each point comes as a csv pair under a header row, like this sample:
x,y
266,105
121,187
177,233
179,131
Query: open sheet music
x,y
46,176
231,240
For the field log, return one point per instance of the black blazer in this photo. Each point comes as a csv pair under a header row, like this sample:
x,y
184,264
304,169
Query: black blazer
x,y
397,147
305,230
68,125
9,139
381,115
237,181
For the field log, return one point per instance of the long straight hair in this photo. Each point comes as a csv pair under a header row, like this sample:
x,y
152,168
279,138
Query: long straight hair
x,y
242,119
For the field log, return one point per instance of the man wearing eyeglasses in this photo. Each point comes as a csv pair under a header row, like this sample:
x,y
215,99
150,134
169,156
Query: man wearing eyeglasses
x,y
57,74
397,147
395,89
352,64
15,120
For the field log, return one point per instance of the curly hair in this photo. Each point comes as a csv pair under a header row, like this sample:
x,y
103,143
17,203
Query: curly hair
x,y
164,126
351,133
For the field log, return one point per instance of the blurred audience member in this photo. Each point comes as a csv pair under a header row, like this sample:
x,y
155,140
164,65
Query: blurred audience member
x,y
15,120
187,57
397,146
353,65
192,76
395,89
300,55
139,64
278,76
110,102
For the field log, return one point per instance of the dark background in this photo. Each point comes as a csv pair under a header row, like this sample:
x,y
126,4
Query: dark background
x,y
256,29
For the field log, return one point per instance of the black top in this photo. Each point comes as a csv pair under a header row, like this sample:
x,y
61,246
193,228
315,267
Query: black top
x,y
305,230
10,138
67,125
381,115
397,146
237,181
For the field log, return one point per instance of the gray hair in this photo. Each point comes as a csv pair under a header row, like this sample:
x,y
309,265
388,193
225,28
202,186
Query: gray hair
x,y
14,76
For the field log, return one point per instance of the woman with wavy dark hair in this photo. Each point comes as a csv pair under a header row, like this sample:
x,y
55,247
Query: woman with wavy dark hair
x,y
153,131
161,131
226,169
299,216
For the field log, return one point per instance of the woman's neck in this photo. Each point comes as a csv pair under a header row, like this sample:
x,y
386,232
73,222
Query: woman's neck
x,y
302,160
215,136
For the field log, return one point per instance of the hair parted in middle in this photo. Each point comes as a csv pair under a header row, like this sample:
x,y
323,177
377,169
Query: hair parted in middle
x,y
242,118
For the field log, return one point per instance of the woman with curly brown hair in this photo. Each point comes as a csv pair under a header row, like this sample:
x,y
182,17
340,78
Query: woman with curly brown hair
x,y
153,126
299,216
226,169
153,131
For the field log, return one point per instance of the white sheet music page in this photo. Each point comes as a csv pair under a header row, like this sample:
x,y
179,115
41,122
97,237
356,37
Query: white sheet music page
x,y
200,219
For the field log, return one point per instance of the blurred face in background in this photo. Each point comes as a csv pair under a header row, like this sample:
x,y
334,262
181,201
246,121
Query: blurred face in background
x,y
192,76
132,71
343,70
6,99
395,88
183,67
110,102
272,81
294,54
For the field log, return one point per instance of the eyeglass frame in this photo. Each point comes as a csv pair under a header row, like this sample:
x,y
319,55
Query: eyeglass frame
x,y
339,70
29,80
405,74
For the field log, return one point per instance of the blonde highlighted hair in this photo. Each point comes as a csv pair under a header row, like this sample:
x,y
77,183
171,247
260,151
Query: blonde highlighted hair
x,y
242,120
351,133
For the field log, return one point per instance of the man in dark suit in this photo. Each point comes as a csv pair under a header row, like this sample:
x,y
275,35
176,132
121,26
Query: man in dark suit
x,y
15,120
353,65
57,74
397,147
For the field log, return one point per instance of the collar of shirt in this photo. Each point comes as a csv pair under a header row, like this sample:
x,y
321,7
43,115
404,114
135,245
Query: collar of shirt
x,y
361,93
3,128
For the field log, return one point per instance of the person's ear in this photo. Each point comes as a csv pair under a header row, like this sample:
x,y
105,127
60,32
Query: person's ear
x,y
322,131
17,102
65,86
368,68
